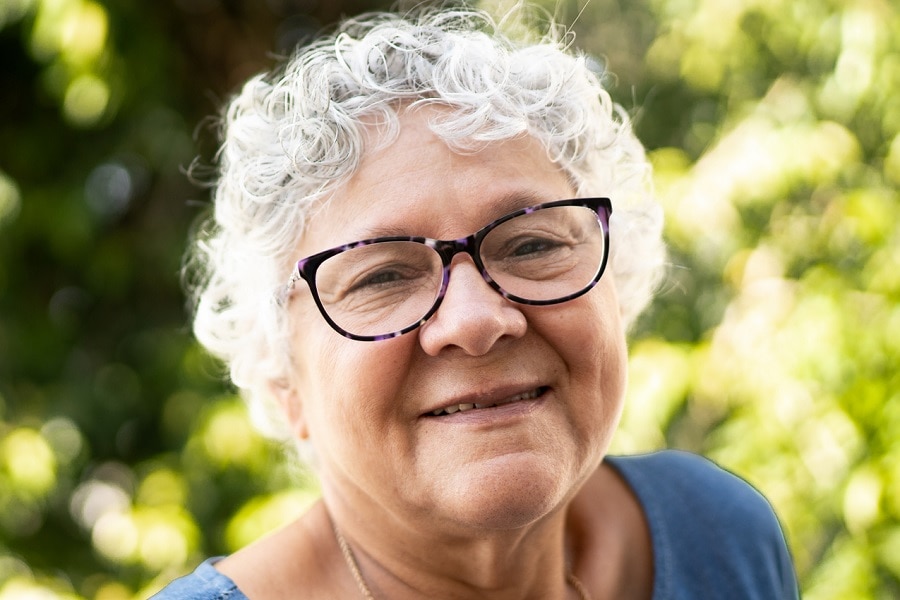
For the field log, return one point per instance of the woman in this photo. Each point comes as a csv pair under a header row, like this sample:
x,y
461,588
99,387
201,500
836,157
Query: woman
x,y
457,391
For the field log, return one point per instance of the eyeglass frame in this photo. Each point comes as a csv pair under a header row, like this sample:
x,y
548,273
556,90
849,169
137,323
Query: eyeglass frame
x,y
306,268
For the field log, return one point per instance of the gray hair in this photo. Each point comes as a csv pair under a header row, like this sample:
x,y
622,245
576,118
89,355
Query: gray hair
x,y
290,138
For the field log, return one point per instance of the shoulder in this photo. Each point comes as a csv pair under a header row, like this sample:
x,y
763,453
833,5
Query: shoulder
x,y
302,555
205,583
695,485
711,530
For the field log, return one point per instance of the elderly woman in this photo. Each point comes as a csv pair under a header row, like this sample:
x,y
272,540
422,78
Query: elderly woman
x,y
428,244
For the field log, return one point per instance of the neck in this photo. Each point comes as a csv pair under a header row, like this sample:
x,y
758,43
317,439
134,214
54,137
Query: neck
x,y
403,562
366,592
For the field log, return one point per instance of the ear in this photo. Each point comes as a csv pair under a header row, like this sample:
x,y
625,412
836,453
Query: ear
x,y
288,399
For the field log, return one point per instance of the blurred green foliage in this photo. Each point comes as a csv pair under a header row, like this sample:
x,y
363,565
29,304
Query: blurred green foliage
x,y
774,348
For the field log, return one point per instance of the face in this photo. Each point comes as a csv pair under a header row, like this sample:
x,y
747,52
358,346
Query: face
x,y
550,378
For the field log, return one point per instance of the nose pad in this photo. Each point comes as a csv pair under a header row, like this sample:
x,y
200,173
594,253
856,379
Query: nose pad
x,y
472,316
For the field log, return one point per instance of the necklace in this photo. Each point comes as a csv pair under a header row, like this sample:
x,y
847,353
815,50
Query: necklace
x,y
350,559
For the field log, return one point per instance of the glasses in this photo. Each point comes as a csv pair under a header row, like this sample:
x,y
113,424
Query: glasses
x,y
381,288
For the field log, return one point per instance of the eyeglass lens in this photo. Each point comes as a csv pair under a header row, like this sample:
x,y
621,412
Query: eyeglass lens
x,y
384,287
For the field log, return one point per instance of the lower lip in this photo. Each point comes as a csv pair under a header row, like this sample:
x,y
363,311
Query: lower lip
x,y
493,415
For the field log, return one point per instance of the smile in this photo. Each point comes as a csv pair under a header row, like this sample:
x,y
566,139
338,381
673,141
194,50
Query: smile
x,y
466,406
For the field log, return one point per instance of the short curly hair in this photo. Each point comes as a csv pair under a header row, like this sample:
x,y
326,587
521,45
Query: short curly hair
x,y
291,137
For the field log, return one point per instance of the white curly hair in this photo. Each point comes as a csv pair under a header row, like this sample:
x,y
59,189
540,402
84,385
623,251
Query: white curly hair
x,y
291,137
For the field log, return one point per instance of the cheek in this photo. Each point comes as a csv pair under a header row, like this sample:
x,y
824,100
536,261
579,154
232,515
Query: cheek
x,y
591,334
347,388
611,358
591,340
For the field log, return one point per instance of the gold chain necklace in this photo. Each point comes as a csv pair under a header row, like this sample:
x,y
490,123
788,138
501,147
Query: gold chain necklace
x,y
350,559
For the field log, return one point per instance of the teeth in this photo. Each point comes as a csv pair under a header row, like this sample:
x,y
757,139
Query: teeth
x,y
469,406
526,396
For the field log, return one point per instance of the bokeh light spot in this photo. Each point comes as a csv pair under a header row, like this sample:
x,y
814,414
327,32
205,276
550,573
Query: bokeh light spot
x,y
95,498
74,29
116,536
162,544
228,438
264,514
85,101
83,33
862,499
26,588
109,189
65,438
29,460
113,590
162,487
13,10
10,199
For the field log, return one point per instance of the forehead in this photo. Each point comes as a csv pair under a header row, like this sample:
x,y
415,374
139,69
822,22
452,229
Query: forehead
x,y
418,185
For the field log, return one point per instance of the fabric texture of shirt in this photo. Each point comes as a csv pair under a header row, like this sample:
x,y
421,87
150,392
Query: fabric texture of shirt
x,y
714,536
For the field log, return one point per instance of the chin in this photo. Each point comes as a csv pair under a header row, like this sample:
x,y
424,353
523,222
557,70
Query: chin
x,y
508,492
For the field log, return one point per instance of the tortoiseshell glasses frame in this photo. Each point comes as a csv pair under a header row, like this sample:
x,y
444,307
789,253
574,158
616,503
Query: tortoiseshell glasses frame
x,y
381,288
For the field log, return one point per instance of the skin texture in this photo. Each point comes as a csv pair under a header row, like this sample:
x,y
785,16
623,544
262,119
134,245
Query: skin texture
x,y
475,504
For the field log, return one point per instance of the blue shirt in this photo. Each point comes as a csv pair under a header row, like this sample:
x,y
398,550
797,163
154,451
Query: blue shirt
x,y
714,536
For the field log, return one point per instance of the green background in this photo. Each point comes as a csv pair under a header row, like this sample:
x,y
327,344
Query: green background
x,y
774,346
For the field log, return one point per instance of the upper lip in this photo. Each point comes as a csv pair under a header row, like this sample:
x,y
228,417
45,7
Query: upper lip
x,y
493,396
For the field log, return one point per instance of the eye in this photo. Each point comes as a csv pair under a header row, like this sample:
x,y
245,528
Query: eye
x,y
533,246
379,278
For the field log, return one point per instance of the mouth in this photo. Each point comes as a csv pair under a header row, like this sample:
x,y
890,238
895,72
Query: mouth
x,y
470,406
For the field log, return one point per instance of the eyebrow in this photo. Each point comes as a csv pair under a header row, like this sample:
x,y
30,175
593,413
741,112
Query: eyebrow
x,y
502,206
513,201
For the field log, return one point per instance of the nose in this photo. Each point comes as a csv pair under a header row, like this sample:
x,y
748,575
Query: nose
x,y
472,317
